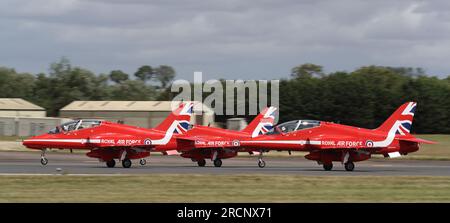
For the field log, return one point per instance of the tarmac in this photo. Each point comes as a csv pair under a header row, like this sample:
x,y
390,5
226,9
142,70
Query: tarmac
x,y
28,163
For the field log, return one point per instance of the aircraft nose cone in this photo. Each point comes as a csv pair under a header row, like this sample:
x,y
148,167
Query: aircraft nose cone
x,y
27,142
30,142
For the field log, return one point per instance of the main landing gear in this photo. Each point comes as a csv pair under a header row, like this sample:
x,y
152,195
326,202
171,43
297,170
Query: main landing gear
x,y
201,162
126,163
217,162
44,160
327,166
111,163
349,166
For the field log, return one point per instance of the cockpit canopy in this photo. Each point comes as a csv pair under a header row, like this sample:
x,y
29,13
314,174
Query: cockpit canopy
x,y
75,125
294,126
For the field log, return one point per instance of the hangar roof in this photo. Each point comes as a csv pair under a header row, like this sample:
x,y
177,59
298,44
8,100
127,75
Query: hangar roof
x,y
123,106
18,104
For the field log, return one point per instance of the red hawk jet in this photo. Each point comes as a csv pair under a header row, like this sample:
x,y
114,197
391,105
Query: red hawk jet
x,y
202,142
108,141
327,142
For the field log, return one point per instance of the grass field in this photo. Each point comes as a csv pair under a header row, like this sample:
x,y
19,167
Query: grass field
x,y
223,188
441,150
11,138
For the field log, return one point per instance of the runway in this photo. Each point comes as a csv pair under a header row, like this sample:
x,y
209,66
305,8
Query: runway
x,y
27,163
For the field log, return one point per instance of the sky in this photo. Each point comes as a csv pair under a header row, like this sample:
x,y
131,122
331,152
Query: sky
x,y
231,39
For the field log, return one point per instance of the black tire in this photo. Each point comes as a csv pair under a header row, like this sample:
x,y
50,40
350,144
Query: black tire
x,y
349,166
142,162
218,163
201,162
126,163
261,163
44,161
111,163
328,167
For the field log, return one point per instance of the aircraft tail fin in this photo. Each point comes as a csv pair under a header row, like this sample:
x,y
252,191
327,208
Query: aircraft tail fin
x,y
262,123
401,120
181,115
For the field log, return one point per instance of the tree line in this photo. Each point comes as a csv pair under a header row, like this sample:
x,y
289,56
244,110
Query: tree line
x,y
364,97
65,83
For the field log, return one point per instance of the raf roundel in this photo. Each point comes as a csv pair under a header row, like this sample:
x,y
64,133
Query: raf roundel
x,y
236,143
147,142
369,143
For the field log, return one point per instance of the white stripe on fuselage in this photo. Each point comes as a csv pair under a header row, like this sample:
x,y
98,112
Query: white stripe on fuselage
x,y
167,136
295,142
82,141
162,141
390,136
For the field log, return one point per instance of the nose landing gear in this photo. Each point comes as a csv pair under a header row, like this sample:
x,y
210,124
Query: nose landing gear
x,y
142,162
44,160
261,162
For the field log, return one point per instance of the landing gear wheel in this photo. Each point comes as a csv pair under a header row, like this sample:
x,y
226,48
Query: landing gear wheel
x,y
110,163
218,163
328,167
44,161
201,162
126,163
349,166
261,163
142,162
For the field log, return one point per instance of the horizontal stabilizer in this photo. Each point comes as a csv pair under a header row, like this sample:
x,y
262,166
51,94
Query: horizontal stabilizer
x,y
417,140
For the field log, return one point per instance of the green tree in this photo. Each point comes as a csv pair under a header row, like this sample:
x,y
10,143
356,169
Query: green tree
x,y
165,74
133,90
16,85
118,76
144,73
307,70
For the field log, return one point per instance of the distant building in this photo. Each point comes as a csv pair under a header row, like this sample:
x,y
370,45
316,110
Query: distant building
x,y
28,126
17,107
22,118
145,114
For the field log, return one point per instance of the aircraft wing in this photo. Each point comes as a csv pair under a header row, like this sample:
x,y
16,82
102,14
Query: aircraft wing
x,y
117,140
210,142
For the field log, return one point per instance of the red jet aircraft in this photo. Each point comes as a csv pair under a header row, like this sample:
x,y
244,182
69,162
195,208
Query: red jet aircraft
x,y
202,142
108,141
327,142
